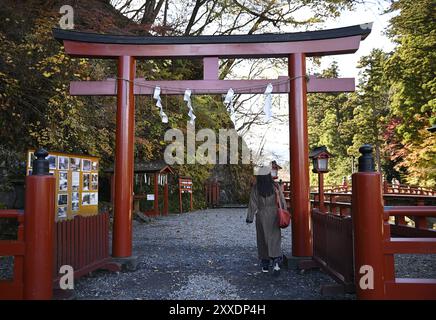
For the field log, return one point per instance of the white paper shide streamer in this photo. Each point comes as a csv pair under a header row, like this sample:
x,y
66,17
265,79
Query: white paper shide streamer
x,y
187,98
268,102
156,96
228,101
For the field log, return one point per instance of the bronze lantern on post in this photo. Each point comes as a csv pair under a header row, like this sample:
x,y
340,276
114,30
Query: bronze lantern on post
x,y
320,159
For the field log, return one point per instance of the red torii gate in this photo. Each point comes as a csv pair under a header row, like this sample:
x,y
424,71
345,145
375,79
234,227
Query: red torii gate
x,y
295,46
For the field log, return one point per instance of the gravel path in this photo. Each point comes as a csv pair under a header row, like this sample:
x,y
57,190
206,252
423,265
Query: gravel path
x,y
208,254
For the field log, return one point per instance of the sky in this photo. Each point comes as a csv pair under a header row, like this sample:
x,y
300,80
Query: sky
x,y
376,39
277,135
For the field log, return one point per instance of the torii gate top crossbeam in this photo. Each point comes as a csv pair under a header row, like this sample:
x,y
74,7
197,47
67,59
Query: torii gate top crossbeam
x,y
312,43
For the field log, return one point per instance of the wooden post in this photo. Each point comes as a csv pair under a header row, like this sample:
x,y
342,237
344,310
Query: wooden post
x,y
125,133
421,222
180,196
368,228
165,196
385,187
299,152
321,191
190,193
214,194
39,230
208,198
156,194
217,193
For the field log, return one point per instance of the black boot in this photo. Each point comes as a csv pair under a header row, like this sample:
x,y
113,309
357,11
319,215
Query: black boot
x,y
265,265
276,266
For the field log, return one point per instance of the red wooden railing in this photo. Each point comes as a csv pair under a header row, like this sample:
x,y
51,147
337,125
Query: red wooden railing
x,y
82,243
388,188
340,204
405,189
13,288
374,247
341,247
406,288
42,246
333,247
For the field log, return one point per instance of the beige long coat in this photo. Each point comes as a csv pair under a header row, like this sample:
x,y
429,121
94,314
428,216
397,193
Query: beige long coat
x,y
268,232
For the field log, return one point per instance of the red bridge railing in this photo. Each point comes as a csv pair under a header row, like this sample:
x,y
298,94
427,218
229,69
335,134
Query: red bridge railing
x,y
13,288
43,246
352,235
388,188
333,247
374,248
33,250
405,288
82,243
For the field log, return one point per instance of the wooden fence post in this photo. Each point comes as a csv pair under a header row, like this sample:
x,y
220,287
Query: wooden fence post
x,y
367,215
39,230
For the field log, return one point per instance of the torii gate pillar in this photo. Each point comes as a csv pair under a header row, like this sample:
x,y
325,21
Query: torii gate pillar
x,y
125,135
299,160
295,46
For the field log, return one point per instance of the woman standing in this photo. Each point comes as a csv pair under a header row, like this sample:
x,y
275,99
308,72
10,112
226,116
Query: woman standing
x,y
263,206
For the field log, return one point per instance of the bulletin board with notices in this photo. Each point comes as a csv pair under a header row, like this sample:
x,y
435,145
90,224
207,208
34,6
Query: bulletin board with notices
x,y
76,183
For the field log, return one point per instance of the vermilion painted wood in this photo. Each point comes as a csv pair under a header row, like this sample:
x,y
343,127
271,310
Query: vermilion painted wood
x,y
368,230
38,237
122,229
89,238
98,239
156,195
88,241
221,50
12,214
418,211
373,245
70,242
77,247
11,248
408,245
178,87
333,234
13,289
388,258
210,68
411,289
19,260
85,241
81,244
180,196
64,243
299,149
55,250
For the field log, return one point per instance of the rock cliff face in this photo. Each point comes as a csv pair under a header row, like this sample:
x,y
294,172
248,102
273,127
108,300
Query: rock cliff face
x,y
235,182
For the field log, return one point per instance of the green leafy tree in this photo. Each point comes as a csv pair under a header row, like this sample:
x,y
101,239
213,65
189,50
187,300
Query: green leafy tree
x,y
371,109
328,118
411,70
